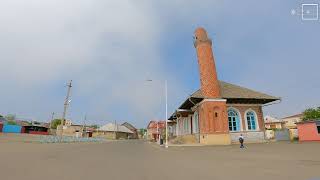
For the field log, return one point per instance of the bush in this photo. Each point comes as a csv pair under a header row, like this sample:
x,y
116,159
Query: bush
x,y
311,114
11,123
55,123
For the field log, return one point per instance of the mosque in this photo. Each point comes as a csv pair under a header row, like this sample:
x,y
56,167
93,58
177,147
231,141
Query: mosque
x,y
219,112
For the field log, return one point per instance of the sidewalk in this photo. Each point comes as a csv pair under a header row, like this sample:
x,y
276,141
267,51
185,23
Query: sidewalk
x,y
186,145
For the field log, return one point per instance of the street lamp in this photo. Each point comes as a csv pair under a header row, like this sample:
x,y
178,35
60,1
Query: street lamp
x,y
166,96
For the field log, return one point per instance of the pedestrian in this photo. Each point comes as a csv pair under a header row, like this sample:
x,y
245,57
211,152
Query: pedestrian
x,y
241,139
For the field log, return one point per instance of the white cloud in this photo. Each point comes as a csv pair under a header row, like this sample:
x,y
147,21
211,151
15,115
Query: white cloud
x,y
109,48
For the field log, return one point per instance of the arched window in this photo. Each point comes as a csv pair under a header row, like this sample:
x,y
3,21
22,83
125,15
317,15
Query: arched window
x,y
251,120
234,120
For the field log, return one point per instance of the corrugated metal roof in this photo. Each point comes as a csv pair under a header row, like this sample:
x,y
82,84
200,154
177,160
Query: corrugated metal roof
x,y
232,91
292,116
115,127
129,126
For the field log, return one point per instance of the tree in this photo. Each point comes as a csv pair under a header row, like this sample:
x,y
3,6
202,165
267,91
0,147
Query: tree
x,y
94,126
11,117
142,132
311,114
55,123
11,122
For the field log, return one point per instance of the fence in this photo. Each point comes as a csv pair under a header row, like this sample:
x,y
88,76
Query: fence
x,y
282,135
11,128
68,139
39,132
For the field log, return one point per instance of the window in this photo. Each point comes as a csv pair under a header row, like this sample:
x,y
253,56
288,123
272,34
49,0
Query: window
x,y
234,120
186,125
251,120
318,127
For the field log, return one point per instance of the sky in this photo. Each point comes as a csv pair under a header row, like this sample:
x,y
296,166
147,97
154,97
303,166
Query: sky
x,y
109,48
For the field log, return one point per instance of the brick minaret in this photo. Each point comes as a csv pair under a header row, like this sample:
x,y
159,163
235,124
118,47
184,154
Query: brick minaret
x,y
208,75
213,120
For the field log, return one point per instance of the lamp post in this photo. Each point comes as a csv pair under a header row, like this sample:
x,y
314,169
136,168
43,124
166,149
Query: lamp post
x,y
158,134
166,97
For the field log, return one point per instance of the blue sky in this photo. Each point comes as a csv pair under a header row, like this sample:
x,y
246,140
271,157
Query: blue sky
x,y
109,49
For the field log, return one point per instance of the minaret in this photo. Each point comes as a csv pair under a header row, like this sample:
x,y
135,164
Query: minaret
x,y
208,74
213,119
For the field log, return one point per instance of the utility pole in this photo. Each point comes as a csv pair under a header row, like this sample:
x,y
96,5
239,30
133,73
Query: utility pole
x,y
52,117
166,116
158,133
166,95
84,124
115,129
66,104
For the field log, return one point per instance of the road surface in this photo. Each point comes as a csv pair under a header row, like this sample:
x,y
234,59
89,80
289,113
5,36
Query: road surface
x,y
139,160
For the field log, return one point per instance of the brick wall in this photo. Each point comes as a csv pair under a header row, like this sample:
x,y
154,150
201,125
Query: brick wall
x,y
243,108
213,117
208,75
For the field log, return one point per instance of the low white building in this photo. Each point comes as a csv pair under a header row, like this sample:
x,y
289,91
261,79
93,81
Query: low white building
x,y
290,121
273,123
114,131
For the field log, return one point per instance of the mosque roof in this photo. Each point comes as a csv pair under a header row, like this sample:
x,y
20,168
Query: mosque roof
x,y
232,91
233,94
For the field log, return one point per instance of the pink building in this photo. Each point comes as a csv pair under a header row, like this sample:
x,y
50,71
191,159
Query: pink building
x,y
309,130
154,129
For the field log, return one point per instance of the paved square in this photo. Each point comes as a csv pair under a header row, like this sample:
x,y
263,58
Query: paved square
x,y
138,160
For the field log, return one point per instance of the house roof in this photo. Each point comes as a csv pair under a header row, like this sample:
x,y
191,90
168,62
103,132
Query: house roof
x,y
269,119
129,126
115,127
153,124
317,121
293,116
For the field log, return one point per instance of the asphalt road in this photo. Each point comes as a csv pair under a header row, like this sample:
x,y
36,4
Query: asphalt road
x,y
138,160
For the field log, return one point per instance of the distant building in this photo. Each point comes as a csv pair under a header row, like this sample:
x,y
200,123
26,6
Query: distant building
x,y
154,129
113,131
3,120
75,130
273,123
22,122
309,130
68,122
135,134
36,128
290,121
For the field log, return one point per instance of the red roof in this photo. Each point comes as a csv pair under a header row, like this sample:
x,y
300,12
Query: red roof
x,y
309,121
155,124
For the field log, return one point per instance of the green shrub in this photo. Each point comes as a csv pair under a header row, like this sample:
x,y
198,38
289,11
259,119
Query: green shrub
x,y
11,123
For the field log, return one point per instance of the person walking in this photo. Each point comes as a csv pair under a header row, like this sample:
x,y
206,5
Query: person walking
x,y
241,139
